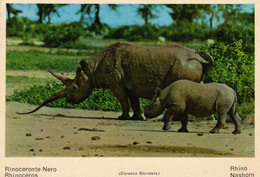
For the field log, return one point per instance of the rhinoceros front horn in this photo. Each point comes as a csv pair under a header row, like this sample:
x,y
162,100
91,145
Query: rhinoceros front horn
x,y
58,95
65,81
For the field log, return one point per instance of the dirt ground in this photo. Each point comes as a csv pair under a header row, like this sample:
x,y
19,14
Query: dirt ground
x,y
57,132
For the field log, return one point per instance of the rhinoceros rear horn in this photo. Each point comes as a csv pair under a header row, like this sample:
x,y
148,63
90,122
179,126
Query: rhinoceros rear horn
x,y
211,58
65,81
58,95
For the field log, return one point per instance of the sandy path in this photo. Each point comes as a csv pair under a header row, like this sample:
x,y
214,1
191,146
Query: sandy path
x,y
38,73
69,132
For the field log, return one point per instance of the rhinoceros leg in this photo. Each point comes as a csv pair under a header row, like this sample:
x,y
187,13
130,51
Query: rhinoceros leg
x,y
171,112
135,104
120,93
184,122
166,118
236,119
220,124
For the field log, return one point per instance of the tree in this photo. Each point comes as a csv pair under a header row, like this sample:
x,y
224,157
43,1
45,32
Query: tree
x,y
47,10
230,13
184,12
213,11
11,10
89,9
146,12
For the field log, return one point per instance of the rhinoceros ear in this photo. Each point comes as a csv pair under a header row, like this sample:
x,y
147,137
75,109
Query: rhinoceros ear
x,y
158,92
85,67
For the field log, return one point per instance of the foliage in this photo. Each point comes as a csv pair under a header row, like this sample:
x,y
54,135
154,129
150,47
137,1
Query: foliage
x,y
229,33
246,110
234,67
18,26
47,10
146,12
187,12
89,9
11,10
134,32
184,31
59,34
100,99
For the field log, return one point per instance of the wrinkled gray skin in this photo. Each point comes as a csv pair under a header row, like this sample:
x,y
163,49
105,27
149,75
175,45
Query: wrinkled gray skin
x,y
132,71
185,97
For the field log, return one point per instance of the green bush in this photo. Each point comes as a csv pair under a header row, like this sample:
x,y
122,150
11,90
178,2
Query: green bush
x,y
184,31
134,32
234,67
61,33
230,33
20,27
100,99
246,110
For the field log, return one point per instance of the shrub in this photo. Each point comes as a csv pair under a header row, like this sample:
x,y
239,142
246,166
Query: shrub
x,y
230,33
134,32
246,110
100,99
62,33
184,31
20,27
234,67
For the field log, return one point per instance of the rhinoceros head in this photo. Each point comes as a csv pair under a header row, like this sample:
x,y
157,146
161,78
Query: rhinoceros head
x,y
77,89
155,108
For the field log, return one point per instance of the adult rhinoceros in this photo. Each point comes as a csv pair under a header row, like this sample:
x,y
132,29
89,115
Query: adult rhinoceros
x,y
132,71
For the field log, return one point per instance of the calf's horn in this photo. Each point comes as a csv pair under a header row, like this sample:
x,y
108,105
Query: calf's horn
x,y
58,95
65,81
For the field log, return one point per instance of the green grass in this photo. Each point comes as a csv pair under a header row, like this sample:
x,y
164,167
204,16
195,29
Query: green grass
x,y
32,60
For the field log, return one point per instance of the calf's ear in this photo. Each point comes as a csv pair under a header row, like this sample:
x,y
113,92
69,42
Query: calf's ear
x,y
158,92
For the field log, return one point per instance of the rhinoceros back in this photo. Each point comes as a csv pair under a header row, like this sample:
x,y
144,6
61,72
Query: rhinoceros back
x,y
144,68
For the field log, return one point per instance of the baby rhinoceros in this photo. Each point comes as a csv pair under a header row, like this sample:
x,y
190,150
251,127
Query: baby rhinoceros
x,y
185,97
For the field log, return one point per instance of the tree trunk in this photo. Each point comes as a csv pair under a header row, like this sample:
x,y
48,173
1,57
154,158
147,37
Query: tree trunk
x,y
8,8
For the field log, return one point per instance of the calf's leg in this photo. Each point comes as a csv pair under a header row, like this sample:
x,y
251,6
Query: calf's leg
x,y
236,119
220,124
171,112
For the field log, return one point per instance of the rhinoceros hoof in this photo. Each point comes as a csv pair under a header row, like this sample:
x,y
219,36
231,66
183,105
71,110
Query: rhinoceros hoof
x,y
168,127
236,132
124,117
137,117
183,130
214,131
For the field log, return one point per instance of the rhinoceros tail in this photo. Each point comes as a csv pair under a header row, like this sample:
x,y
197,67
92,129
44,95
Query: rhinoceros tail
x,y
235,102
